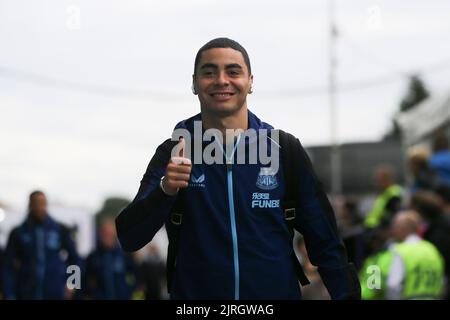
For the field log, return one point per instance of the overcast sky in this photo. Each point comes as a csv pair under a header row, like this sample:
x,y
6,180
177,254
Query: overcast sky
x,y
88,89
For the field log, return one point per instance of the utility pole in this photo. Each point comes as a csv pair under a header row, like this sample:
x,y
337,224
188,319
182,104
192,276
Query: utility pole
x,y
335,158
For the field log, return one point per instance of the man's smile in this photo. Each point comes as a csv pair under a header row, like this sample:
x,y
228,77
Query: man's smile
x,y
221,95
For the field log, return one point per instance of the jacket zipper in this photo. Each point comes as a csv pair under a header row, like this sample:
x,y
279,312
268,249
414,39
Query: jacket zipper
x,y
233,230
229,163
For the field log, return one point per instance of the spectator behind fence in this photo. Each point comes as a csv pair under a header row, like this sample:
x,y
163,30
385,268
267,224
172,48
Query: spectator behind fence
x,y
37,256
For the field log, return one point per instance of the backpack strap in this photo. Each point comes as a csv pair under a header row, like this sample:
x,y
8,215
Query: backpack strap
x,y
173,223
173,227
290,154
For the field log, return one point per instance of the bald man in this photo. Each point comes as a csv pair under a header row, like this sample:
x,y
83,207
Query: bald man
x,y
416,269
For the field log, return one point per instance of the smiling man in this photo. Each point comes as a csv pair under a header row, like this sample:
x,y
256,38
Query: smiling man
x,y
222,81
230,224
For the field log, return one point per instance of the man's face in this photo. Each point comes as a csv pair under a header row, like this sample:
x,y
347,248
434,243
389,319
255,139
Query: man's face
x,y
108,234
398,231
222,81
38,206
414,166
381,180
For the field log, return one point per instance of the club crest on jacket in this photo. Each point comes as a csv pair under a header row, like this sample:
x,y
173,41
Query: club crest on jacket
x,y
267,179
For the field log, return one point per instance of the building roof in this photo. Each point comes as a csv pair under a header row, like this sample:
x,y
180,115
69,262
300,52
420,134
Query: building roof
x,y
423,120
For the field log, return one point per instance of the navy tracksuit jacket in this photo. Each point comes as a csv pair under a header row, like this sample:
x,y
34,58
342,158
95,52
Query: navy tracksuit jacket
x,y
109,274
36,260
234,242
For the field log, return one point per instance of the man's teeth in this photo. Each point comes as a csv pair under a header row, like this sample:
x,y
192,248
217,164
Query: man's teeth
x,y
221,94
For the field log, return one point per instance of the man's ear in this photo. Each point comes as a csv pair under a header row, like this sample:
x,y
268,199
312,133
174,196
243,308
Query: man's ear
x,y
194,89
250,90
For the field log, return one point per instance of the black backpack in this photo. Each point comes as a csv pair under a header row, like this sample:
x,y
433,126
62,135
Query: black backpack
x,y
291,153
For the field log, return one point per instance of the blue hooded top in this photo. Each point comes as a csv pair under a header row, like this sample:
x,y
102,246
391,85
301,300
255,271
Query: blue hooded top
x,y
234,242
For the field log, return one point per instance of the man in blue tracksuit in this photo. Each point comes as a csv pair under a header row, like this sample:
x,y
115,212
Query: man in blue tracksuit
x,y
233,242
109,272
37,256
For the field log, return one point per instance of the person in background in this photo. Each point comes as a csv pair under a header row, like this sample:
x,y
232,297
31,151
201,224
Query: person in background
x,y
440,159
151,274
351,229
424,178
379,256
388,201
408,268
436,228
109,272
416,269
316,290
444,193
37,256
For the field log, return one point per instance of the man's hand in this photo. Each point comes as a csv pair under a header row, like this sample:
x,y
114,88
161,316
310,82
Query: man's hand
x,y
178,172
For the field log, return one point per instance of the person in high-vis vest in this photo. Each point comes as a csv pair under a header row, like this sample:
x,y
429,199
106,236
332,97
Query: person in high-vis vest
x,y
410,268
388,201
416,269
374,266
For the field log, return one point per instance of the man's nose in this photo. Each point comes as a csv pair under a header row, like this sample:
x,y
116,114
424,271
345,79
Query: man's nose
x,y
222,79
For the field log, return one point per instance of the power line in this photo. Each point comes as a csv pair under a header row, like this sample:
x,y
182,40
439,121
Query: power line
x,y
49,81
302,92
373,58
388,65
358,85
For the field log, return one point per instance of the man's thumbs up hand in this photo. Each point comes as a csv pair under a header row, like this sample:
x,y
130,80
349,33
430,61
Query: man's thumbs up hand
x,y
178,172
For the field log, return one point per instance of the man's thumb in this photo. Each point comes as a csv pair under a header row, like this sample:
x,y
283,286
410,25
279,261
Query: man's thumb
x,y
181,146
179,153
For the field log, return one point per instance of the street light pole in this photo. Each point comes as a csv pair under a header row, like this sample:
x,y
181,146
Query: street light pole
x,y
335,158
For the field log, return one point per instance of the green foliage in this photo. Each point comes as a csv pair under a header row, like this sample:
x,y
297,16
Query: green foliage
x,y
415,94
111,208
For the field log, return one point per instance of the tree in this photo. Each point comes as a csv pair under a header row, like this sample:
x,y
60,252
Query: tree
x,y
111,208
416,93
